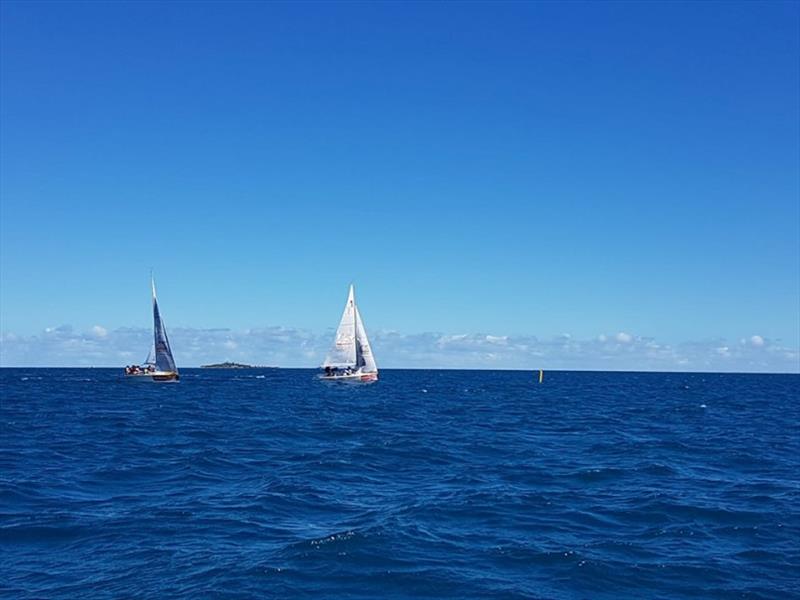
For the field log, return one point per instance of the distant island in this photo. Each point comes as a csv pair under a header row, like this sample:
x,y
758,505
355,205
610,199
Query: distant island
x,y
233,365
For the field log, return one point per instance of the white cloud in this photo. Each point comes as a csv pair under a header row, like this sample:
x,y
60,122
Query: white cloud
x,y
99,331
624,338
757,341
287,347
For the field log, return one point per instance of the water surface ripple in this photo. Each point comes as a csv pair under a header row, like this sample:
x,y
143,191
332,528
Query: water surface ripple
x,y
456,484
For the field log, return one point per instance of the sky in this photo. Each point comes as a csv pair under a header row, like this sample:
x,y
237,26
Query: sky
x,y
509,185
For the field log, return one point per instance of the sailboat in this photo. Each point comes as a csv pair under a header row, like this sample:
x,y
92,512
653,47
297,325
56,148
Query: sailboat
x,y
351,357
159,365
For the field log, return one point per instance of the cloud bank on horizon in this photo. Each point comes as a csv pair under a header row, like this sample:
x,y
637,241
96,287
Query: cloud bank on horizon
x,y
287,347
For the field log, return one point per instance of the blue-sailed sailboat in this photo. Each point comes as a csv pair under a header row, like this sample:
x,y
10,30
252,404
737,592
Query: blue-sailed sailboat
x,y
162,368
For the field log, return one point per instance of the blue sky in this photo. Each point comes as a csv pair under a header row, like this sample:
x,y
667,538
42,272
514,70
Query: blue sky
x,y
517,171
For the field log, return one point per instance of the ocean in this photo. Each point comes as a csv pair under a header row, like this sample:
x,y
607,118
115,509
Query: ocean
x,y
427,484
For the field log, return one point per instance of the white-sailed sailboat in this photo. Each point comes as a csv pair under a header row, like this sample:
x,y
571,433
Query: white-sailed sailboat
x,y
163,367
351,357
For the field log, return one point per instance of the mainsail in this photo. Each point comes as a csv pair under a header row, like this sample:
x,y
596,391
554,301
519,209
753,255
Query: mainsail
x,y
164,360
343,353
351,347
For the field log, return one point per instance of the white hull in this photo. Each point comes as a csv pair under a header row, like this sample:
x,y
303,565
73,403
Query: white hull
x,y
352,378
155,376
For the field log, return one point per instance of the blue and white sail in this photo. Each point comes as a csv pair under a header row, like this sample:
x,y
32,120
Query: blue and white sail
x,y
163,352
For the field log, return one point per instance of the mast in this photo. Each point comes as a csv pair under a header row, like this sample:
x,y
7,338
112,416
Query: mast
x,y
156,317
359,355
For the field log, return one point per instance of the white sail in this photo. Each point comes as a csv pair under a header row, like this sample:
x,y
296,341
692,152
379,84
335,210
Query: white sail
x,y
343,353
150,360
367,360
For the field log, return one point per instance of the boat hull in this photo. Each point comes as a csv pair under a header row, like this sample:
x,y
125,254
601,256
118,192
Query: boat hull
x,y
156,377
352,378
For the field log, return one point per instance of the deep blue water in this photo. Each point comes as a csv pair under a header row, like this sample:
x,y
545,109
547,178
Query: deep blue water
x,y
458,484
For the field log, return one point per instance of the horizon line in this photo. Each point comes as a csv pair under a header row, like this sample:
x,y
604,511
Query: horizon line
x,y
443,369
